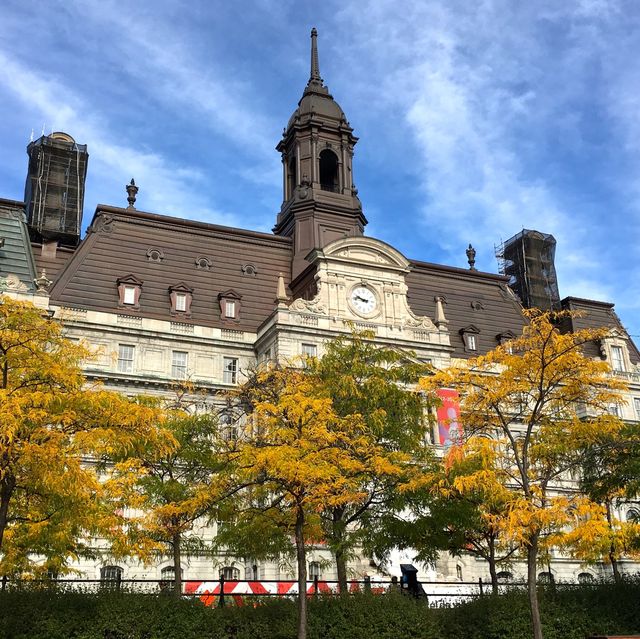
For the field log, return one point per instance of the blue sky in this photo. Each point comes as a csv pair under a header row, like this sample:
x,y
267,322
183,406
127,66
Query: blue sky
x,y
476,119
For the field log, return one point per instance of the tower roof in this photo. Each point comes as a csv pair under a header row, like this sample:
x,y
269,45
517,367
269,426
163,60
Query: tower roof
x,y
316,99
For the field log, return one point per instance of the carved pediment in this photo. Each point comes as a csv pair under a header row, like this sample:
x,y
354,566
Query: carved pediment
x,y
363,250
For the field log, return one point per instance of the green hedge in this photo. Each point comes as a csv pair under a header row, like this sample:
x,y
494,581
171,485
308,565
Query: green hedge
x,y
568,613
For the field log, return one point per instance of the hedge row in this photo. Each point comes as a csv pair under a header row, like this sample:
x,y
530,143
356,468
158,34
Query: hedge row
x,y
573,613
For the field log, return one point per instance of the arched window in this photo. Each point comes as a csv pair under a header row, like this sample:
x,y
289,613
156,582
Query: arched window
x,y
314,570
230,573
111,573
633,515
545,577
292,178
585,578
329,171
504,577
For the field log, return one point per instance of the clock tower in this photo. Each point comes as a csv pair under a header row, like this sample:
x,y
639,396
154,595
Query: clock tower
x,y
320,203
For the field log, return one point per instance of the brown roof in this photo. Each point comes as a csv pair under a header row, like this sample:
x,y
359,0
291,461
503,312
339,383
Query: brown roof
x,y
473,299
119,240
53,265
594,314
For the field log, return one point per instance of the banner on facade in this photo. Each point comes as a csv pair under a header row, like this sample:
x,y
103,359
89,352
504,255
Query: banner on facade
x,y
448,415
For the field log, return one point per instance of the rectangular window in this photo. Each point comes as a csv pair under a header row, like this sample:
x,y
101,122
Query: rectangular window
x,y
471,342
230,370
229,308
178,364
309,350
125,358
617,360
129,295
181,302
614,409
636,405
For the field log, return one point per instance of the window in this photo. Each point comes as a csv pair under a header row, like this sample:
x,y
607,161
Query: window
x,y
181,302
179,364
111,573
504,577
545,578
126,354
181,297
614,409
636,404
633,515
470,338
459,572
230,573
203,263
230,370
617,359
228,427
585,578
129,290
230,303
309,350
314,570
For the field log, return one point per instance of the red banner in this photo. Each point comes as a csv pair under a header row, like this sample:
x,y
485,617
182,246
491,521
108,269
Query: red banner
x,y
448,414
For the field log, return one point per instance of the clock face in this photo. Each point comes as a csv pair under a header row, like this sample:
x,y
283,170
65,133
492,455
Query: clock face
x,y
363,300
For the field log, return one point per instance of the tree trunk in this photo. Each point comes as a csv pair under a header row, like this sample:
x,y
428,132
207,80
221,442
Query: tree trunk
x,y
617,577
341,569
177,560
7,486
493,571
301,558
532,590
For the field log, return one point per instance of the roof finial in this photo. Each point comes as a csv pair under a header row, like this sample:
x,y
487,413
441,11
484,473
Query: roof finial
x,y
132,191
471,257
314,78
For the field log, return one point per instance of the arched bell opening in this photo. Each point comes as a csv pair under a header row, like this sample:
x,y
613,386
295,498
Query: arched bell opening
x,y
329,171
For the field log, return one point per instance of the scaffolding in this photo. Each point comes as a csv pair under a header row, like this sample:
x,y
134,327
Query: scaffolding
x,y
54,191
528,259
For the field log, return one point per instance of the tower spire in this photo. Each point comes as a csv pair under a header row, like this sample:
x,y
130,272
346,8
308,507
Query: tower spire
x,y
315,65
315,84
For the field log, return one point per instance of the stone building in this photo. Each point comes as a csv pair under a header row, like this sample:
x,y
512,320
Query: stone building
x,y
167,298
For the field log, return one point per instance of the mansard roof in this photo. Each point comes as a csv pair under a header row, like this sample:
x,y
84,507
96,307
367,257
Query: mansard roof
x,y
16,260
595,314
117,244
472,298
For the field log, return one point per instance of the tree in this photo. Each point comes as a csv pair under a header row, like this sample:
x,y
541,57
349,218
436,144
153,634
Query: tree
x,y
379,384
543,401
171,488
50,421
451,513
608,477
299,458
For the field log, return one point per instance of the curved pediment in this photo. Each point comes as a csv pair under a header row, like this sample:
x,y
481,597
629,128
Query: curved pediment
x,y
364,250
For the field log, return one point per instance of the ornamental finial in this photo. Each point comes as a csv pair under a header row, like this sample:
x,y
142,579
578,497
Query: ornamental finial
x,y
132,191
471,257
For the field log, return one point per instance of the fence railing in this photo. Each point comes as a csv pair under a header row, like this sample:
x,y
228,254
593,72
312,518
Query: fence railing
x,y
218,591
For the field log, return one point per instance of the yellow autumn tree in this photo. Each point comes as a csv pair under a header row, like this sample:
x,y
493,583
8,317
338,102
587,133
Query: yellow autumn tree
x,y
542,401
51,421
297,459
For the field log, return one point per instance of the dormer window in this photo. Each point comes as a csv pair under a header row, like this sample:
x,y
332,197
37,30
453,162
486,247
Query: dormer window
x,y
129,290
617,359
181,296
504,339
470,335
230,303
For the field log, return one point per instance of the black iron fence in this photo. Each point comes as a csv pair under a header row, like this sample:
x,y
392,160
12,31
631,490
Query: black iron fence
x,y
218,591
